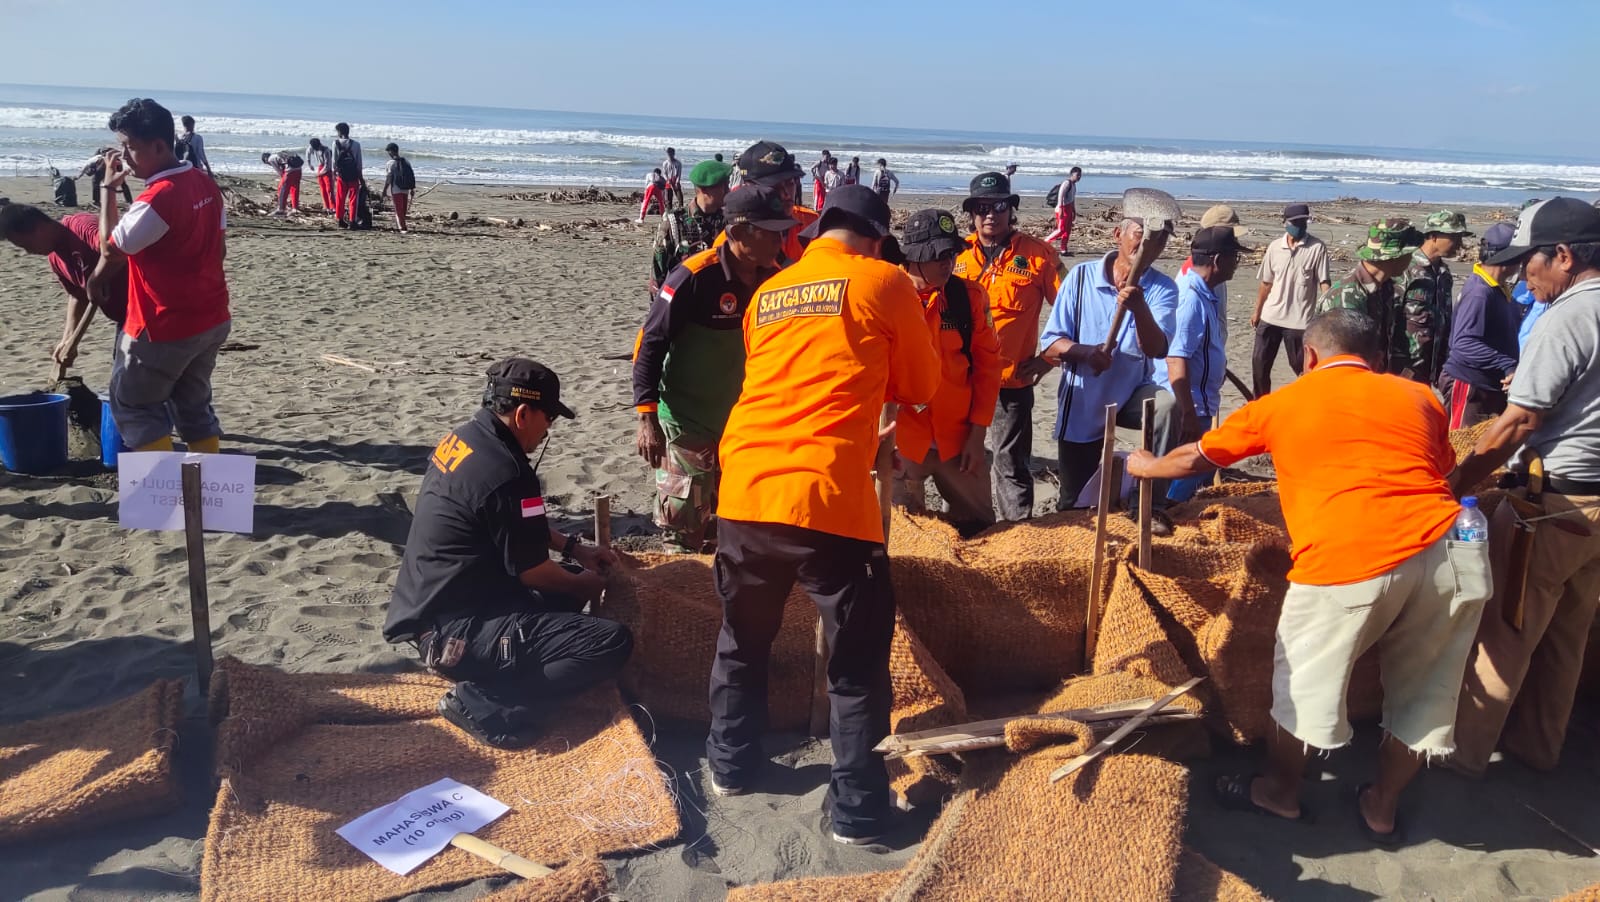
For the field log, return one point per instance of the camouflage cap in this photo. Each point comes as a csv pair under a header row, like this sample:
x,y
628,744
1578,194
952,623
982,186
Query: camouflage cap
x,y
1390,239
1446,222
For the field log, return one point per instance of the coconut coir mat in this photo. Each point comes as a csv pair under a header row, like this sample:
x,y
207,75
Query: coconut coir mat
x,y
92,767
299,755
1589,894
1200,880
848,888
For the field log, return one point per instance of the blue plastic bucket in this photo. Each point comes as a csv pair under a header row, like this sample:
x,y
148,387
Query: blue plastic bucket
x,y
33,432
110,436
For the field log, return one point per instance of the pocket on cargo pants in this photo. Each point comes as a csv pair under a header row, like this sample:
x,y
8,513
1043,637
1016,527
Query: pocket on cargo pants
x,y
1469,562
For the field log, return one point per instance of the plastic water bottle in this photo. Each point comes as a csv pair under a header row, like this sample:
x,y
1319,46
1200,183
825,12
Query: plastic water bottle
x,y
1471,525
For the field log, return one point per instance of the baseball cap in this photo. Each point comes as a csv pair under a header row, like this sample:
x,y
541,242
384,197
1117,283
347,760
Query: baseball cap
x,y
1496,238
1296,211
1219,239
1390,239
1559,220
859,204
767,163
709,174
989,185
759,206
1222,215
929,235
531,383
1446,222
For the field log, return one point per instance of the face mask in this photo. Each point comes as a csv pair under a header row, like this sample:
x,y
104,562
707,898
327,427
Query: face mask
x,y
1294,231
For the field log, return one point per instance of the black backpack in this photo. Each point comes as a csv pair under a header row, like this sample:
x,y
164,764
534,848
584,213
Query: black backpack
x,y
1052,196
363,219
957,314
404,178
344,161
294,161
183,150
65,189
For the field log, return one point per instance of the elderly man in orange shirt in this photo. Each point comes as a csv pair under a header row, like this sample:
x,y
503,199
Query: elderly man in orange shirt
x,y
1021,273
827,342
1370,517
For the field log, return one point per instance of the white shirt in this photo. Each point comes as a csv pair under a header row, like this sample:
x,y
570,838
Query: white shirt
x,y
672,168
1067,195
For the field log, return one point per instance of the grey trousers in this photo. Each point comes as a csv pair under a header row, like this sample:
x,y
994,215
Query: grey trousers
x,y
1080,460
1011,440
159,385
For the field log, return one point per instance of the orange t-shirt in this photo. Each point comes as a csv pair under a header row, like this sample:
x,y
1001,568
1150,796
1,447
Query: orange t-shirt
x,y
1021,280
827,341
1361,460
967,389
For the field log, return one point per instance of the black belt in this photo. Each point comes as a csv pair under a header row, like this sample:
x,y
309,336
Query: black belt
x,y
1563,486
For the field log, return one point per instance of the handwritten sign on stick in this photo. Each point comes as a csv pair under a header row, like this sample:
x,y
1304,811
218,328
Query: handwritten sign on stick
x,y
150,490
412,829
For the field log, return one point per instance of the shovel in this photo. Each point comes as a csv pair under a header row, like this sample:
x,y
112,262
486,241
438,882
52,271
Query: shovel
x,y
1157,211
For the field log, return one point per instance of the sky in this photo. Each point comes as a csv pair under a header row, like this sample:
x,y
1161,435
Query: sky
x,y
1498,77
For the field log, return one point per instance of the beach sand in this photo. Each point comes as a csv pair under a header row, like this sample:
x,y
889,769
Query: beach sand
x,y
91,612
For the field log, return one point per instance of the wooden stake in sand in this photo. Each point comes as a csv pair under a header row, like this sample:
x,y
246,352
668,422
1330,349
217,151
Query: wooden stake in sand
x,y
1216,475
1147,425
199,602
1104,745
602,521
1091,629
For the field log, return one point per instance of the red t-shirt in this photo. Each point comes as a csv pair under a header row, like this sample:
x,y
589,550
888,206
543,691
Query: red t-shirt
x,y
173,236
75,266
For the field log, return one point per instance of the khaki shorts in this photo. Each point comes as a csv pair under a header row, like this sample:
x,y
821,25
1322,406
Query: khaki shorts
x,y
1422,615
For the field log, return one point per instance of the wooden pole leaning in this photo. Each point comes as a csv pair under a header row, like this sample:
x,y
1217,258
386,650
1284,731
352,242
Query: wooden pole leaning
x,y
199,602
1108,451
1216,475
1147,418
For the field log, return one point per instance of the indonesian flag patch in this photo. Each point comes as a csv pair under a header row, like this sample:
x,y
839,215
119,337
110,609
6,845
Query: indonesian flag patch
x,y
667,291
532,507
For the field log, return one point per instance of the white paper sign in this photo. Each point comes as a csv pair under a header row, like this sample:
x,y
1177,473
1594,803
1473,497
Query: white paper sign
x,y
407,832
1090,496
150,490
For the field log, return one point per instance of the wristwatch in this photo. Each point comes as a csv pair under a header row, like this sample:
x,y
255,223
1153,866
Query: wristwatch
x,y
572,544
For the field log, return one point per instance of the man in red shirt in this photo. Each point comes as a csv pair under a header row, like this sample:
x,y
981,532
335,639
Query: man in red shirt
x,y
73,246
172,240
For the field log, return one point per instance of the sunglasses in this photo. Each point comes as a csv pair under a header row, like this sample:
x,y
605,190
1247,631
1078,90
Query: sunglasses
x,y
985,208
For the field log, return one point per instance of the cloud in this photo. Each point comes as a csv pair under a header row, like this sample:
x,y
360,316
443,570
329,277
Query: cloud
x,y
1473,14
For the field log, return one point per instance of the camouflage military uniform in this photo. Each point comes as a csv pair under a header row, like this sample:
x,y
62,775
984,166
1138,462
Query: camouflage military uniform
x,y
1387,240
1423,319
682,234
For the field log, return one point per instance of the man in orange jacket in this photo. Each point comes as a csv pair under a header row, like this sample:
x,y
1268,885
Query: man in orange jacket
x,y
1021,273
944,439
827,342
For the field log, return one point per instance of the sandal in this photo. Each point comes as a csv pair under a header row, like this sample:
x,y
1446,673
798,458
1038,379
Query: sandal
x,y
1233,793
1394,837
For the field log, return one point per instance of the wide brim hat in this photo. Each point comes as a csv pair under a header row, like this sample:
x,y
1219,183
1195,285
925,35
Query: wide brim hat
x,y
989,186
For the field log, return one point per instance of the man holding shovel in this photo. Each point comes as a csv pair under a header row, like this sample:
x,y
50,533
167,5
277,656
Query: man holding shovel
x,y
73,248
1532,638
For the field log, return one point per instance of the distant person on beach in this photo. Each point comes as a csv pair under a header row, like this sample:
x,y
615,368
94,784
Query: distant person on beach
x,y
1010,172
399,184
1021,274
672,168
770,164
173,239
1427,294
348,169
1483,351
819,187
72,247
689,366
1363,460
288,167
943,439
1074,339
95,171
1293,273
1066,210
321,160
852,172
191,148
478,593
655,191
1197,356
797,502
832,179
1525,671
884,181
684,233
1371,288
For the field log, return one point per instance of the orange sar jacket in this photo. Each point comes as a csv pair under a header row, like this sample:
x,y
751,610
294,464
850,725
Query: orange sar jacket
x,y
968,389
1023,278
792,248
827,341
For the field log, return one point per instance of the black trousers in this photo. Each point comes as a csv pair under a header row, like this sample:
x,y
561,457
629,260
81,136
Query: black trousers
x,y
1265,354
528,658
1011,438
756,566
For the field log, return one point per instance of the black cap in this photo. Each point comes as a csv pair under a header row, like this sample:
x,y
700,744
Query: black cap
x,y
1296,211
929,235
1216,240
530,383
1559,220
759,206
767,163
860,205
992,186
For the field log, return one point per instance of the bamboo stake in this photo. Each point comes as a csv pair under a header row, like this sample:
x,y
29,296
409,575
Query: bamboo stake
x,y
500,858
1147,417
1091,629
602,521
1133,723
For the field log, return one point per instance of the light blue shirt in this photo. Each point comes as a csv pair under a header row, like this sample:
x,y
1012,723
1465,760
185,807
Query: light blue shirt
x,y
1522,294
1200,337
1083,311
